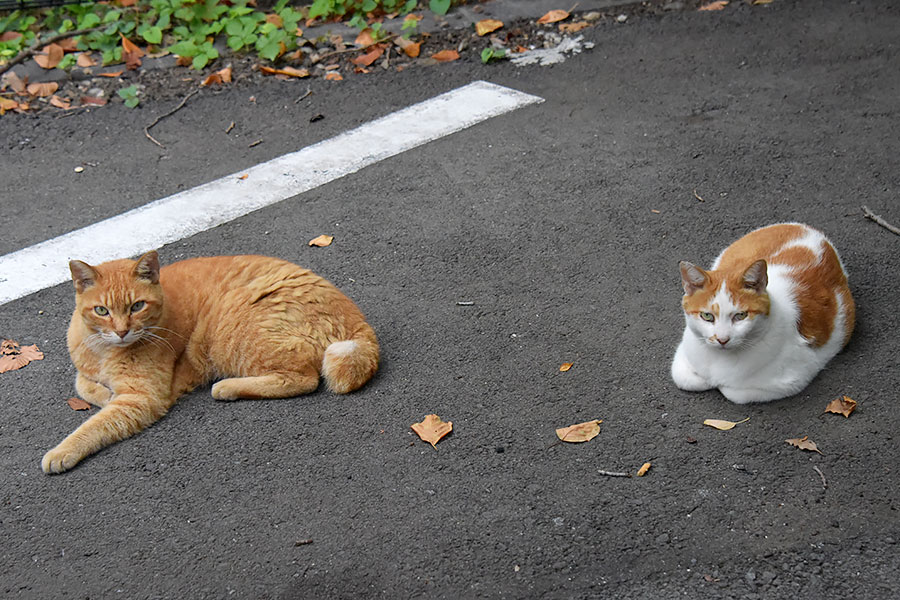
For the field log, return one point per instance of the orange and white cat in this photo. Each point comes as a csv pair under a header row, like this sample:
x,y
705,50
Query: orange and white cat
x,y
774,308
142,336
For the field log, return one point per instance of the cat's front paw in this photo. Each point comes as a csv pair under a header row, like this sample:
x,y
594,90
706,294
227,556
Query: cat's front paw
x,y
59,460
685,377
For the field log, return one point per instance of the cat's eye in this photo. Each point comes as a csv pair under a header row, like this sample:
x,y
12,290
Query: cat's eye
x,y
101,310
138,306
707,316
740,316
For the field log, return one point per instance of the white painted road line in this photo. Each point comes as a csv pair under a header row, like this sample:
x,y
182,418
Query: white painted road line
x,y
186,213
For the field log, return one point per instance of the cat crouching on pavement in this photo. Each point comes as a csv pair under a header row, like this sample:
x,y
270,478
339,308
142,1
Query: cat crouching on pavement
x,y
141,337
768,316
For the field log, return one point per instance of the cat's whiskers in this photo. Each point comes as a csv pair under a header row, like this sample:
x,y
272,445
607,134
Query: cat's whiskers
x,y
155,339
165,329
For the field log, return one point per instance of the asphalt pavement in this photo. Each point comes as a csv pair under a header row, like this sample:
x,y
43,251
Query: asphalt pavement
x,y
484,260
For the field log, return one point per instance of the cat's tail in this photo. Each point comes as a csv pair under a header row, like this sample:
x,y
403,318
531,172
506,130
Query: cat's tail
x,y
349,364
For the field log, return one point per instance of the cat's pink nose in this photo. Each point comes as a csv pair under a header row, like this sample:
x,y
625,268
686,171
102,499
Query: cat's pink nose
x,y
122,334
722,341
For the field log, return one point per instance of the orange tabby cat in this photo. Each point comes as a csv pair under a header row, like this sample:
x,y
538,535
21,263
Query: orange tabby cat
x,y
142,336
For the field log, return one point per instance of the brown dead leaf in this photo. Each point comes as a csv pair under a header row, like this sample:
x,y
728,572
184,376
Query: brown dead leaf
x,y
244,176
78,404
287,71
412,17
131,54
14,82
573,27
717,5
410,48
553,16
13,356
8,36
723,425
93,100
334,76
364,38
841,406
275,20
432,429
68,45
85,60
364,60
582,432
50,56
322,241
219,77
804,443
7,104
565,367
42,90
59,102
643,470
486,26
445,55
119,73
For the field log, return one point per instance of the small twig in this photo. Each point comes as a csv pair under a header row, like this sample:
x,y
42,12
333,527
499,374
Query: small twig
x,y
822,475
33,49
613,473
302,542
230,127
168,114
307,94
256,143
873,217
697,196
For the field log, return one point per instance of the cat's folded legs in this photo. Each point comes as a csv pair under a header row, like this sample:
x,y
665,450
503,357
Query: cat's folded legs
x,y
273,385
684,375
91,391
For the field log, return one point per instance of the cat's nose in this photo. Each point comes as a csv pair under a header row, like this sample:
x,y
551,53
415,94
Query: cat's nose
x,y
122,334
723,340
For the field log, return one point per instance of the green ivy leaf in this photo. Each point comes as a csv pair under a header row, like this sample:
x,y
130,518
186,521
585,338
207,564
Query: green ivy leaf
x,y
439,7
153,35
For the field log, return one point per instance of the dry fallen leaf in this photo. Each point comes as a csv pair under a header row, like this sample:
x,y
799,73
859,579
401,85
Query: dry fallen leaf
x,y
59,102
118,73
42,90
804,443
582,432
93,100
723,425
565,367
332,76
131,54
7,104
78,404
573,27
219,77
364,38
758,2
432,429
321,241
288,71
49,56
445,55
13,357
841,406
275,20
643,470
85,60
717,5
14,82
486,26
553,16
411,49
364,60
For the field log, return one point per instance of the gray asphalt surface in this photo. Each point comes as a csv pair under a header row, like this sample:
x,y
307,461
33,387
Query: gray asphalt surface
x,y
545,219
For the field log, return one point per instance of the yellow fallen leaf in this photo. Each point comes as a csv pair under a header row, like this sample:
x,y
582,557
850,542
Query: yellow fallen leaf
x,y
445,55
643,470
565,367
42,90
432,429
486,26
573,27
553,16
841,406
717,5
85,60
7,104
411,49
804,443
364,38
321,241
582,432
723,425
332,76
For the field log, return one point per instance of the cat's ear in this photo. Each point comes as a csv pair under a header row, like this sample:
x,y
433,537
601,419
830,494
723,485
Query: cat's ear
x,y
756,277
83,275
147,267
693,278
